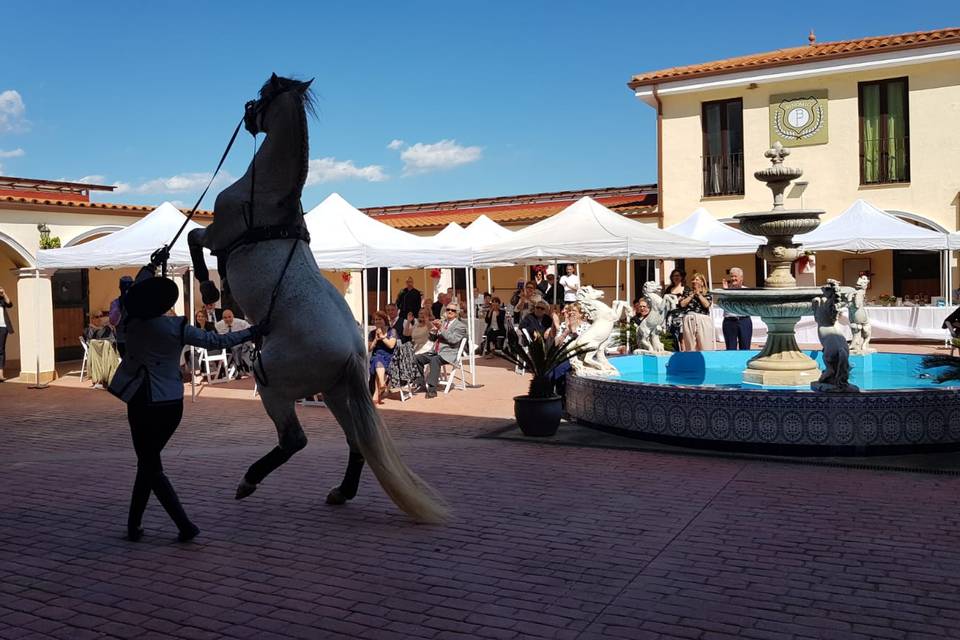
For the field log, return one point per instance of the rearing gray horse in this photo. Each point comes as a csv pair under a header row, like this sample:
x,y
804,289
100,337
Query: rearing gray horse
x,y
314,345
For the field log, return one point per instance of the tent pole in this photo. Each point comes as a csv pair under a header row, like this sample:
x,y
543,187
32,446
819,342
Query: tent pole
x,y
556,282
471,326
629,294
193,350
616,295
378,288
489,283
389,279
364,303
709,272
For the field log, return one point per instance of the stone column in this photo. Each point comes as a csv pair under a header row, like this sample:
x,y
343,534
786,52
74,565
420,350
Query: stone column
x,y
35,309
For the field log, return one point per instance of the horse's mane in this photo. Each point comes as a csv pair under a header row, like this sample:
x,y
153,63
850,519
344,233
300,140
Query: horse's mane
x,y
277,85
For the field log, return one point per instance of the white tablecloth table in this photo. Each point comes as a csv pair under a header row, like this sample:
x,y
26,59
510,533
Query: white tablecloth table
x,y
899,323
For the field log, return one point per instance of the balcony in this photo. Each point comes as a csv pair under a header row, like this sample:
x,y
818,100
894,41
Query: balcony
x,y
723,175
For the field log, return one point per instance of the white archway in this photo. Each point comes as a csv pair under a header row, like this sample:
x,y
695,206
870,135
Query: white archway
x,y
18,250
920,220
92,233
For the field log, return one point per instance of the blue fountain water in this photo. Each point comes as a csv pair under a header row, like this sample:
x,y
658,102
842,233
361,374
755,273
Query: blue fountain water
x,y
725,369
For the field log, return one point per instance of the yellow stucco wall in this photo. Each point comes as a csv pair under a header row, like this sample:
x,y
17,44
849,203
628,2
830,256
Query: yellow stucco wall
x,y
831,169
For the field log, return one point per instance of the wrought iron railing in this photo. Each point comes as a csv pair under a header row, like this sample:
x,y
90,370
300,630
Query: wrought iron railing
x,y
723,174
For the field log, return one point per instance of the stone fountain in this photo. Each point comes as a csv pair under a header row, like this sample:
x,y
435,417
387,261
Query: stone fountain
x,y
780,302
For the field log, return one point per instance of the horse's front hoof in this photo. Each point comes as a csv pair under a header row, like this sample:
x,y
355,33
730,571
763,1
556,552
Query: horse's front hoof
x,y
209,292
244,489
336,497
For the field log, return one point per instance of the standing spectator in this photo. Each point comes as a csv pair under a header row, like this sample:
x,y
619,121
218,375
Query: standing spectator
x,y
539,281
570,283
697,325
437,308
737,330
496,330
549,289
395,320
409,300
677,287
6,328
381,343
446,336
118,315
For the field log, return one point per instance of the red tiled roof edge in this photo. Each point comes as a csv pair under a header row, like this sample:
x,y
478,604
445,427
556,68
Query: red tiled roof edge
x,y
797,55
99,207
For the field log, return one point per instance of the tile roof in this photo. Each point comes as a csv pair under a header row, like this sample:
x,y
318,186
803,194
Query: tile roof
x,y
19,202
512,210
795,55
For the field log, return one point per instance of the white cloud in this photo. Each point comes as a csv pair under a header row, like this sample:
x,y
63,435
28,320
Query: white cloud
x,y
13,153
333,170
446,154
395,144
85,180
12,113
184,182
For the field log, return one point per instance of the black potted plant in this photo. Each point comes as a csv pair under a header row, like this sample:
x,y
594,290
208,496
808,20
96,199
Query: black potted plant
x,y
538,413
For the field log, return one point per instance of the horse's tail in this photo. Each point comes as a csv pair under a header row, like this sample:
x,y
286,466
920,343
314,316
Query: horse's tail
x,y
365,429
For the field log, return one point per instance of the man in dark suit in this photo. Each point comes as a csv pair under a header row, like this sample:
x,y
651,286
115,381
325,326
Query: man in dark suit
x,y
446,336
549,289
409,301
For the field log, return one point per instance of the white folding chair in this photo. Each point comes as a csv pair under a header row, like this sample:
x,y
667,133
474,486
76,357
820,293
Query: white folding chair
x,y
86,352
219,360
450,379
521,369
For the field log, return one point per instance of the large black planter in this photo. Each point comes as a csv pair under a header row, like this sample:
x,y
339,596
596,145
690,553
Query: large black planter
x,y
537,417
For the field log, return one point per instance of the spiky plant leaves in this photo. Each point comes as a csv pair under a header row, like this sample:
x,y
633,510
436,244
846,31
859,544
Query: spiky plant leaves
x,y
540,359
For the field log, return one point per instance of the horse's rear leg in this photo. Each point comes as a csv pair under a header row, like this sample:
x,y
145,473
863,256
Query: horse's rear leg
x,y
347,490
289,434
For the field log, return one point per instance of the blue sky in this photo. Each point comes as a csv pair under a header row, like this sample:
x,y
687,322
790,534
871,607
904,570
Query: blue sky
x,y
418,101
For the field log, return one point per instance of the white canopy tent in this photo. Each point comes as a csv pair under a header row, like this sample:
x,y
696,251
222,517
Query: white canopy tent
x,y
863,228
130,246
723,240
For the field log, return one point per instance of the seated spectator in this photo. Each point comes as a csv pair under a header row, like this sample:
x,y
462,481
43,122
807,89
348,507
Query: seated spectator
x,y
395,321
242,354
529,297
437,307
496,329
98,329
573,323
201,321
698,333
381,343
418,330
539,321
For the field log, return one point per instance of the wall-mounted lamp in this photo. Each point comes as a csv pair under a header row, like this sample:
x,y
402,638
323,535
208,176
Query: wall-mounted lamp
x,y
752,85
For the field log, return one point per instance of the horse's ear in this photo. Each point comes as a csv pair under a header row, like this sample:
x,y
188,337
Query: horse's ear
x,y
304,86
274,79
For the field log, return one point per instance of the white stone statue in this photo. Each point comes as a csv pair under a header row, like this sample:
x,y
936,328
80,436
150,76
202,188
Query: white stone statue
x,y
836,352
859,320
648,329
597,336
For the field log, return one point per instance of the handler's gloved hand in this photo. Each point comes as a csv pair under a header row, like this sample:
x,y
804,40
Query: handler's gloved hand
x,y
160,256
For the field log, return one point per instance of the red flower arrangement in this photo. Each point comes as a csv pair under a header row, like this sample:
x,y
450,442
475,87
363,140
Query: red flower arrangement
x,y
435,274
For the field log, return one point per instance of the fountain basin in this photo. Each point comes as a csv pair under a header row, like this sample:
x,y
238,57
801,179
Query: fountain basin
x,y
698,399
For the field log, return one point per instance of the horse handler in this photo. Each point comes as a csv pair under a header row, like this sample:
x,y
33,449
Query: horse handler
x,y
149,381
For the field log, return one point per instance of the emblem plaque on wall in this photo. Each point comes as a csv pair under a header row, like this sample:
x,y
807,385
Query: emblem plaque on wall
x,y
799,119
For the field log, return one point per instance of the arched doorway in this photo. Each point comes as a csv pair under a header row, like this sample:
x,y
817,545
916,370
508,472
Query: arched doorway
x,y
13,256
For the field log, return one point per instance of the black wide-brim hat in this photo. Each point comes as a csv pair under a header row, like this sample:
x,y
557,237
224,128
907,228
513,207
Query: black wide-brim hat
x,y
150,296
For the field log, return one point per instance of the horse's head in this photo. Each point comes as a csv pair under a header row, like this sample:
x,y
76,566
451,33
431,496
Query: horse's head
x,y
589,293
651,287
257,113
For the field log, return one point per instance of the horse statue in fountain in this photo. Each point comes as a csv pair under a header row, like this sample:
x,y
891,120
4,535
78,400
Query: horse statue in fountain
x,y
260,240
594,341
648,329
836,352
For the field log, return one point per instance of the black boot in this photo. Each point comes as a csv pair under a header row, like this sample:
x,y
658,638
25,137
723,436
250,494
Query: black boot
x,y
138,504
171,504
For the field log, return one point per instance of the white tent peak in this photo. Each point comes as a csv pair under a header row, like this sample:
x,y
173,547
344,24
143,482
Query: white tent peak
x,y
723,239
864,227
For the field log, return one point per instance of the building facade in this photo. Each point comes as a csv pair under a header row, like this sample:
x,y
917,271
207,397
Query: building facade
x,y
876,119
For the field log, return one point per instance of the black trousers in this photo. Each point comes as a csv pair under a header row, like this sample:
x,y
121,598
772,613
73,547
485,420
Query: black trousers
x,y
151,427
492,336
3,344
435,362
737,333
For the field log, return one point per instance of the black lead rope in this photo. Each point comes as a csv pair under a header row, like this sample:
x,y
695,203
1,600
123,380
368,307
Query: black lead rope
x,y
161,255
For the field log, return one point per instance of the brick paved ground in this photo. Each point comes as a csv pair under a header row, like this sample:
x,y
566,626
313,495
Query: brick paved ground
x,y
548,542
